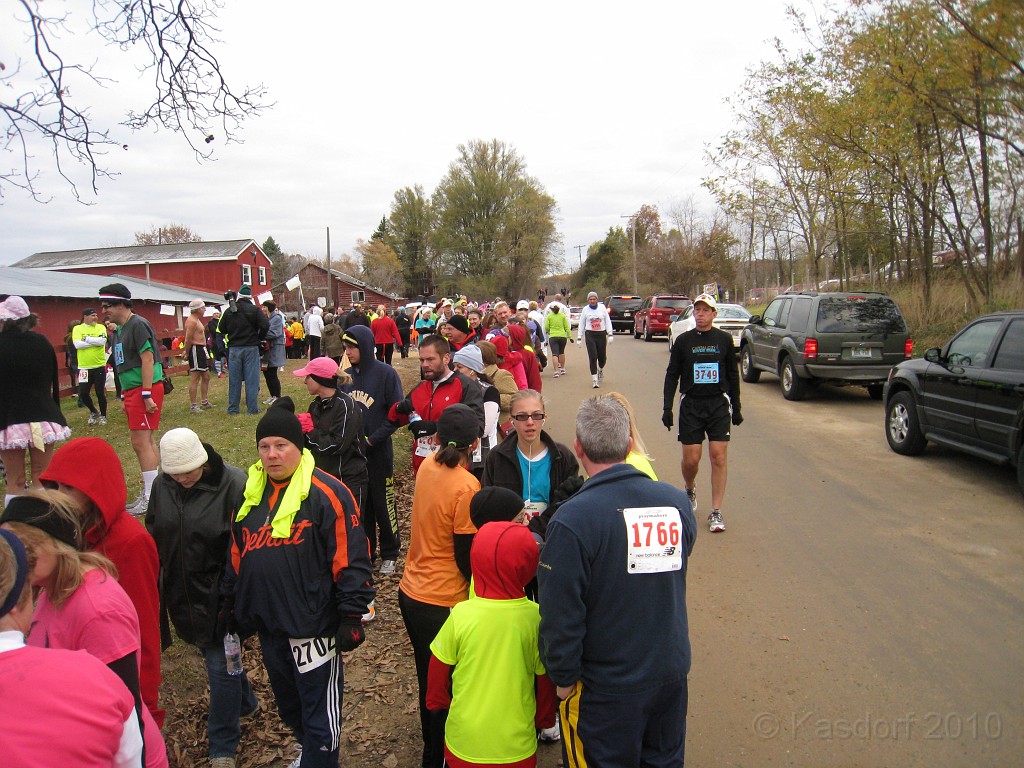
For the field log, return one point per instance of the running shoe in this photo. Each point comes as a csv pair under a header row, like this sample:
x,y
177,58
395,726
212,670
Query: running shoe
x,y
691,493
550,735
387,568
102,421
195,408
93,418
138,507
558,373
297,761
269,401
715,522
206,405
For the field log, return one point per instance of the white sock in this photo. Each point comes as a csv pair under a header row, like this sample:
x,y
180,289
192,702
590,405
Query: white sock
x,y
147,481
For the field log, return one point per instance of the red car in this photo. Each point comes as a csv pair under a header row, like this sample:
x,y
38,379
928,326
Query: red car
x,y
655,315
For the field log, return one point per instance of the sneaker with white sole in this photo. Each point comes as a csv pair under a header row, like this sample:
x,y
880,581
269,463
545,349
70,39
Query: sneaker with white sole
x,y
387,568
550,735
194,408
557,373
371,613
138,507
206,405
269,401
596,385
296,762
715,522
102,421
93,419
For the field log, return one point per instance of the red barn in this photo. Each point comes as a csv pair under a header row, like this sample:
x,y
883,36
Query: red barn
x,y
345,291
209,267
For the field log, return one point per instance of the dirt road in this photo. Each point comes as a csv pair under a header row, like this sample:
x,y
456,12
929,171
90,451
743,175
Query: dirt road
x,y
863,608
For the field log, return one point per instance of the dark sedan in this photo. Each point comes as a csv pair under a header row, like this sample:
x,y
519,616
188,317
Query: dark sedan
x,y
968,395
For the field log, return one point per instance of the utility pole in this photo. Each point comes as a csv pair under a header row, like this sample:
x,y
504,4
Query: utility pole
x,y
632,218
579,249
330,296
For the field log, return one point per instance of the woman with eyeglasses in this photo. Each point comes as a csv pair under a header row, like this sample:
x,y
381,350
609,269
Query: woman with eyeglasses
x,y
533,464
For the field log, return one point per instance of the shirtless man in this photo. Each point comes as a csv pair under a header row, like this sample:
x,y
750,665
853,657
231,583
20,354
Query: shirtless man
x,y
197,355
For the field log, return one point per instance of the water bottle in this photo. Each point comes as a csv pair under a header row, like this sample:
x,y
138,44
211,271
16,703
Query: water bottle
x,y
233,653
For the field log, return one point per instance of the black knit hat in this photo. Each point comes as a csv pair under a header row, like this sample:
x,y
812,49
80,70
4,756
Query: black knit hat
x,y
116,292
458,426
460,322
494,505
280,421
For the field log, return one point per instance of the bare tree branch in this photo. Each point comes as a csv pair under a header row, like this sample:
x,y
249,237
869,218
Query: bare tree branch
x,y
189,92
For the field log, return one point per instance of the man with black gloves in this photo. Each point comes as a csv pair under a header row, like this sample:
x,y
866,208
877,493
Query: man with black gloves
x,y
244,328
300,576
703,363
441,387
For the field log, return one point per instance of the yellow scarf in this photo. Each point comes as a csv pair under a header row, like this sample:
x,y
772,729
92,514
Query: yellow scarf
x,y
294,495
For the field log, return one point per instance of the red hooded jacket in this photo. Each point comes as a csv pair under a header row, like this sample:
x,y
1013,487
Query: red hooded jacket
x,y
511,361
91,466
517,340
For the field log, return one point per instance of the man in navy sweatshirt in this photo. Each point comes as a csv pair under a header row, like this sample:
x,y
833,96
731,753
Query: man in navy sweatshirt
x,y
376,387
612,581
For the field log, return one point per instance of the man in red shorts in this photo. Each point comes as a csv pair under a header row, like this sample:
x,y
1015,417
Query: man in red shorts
x,y
137,359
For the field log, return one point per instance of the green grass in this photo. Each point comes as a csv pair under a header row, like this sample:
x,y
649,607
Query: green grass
x,y
233,437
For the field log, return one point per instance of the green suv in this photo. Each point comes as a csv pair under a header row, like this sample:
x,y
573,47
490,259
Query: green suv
x,y
842,338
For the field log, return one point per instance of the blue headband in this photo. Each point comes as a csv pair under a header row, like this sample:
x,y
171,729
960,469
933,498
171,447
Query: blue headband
x,y
21,571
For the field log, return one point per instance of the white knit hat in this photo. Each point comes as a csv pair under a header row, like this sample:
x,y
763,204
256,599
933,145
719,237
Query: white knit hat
x,y
181,451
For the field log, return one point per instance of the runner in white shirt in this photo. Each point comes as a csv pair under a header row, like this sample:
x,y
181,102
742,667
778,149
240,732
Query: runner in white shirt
x,y
596,326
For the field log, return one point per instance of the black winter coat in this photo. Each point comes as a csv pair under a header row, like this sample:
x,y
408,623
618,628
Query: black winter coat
x,y
501,467
244,324
192,530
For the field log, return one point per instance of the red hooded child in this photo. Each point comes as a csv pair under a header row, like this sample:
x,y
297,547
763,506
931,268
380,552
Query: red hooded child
x,y
477,668
90,465
517,341
511,361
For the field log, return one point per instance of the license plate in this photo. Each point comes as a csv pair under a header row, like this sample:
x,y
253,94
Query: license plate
x,y
627,314
860,352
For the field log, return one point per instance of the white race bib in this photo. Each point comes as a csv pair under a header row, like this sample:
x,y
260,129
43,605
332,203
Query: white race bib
x,y
427,446
312,652
533,508
705,373
654,539
595,324
83,375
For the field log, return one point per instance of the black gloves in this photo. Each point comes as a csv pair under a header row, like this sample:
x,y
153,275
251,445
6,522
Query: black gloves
x,y
403,407
350,633
422,428
666,418
737,417
226,624
569,488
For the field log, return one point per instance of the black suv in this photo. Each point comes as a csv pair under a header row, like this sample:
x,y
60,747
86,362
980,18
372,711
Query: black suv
x,y
621,309
842,338
968,395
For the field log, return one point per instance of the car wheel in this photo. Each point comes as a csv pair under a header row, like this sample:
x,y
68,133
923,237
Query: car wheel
x,y
875,391
902,428
1020,469
647,333
793,387
750,374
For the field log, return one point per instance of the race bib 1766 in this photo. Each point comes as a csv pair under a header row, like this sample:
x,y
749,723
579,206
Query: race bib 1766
x,y
653,539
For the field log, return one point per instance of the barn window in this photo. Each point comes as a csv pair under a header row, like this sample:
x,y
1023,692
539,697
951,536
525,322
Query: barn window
x,y
263,275
246,274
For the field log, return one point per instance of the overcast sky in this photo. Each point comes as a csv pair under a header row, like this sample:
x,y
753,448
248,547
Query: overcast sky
x,y
612,105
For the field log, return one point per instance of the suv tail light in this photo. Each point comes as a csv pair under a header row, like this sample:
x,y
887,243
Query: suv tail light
x,y
810,349
908,349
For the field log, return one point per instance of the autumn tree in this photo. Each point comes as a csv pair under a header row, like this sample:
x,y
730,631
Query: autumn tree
x,y
168,233
410,227
167,45
495,223
380,266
